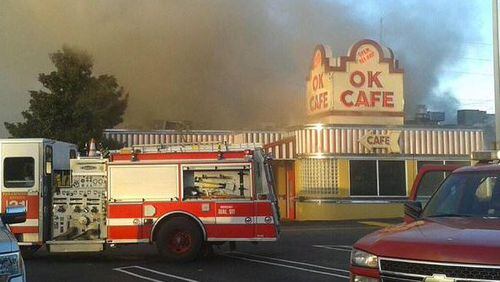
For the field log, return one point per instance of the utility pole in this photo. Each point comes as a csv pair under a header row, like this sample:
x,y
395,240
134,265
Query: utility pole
x,y
496,71
382,29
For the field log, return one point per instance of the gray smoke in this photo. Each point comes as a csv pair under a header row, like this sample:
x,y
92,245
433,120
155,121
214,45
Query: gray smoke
x,y
224,63
428,38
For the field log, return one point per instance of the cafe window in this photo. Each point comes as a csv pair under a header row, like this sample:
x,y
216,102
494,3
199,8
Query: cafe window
x,y
458,163
428,184
19,172
377,178
217,182
363,178
421,164
318,177
392,178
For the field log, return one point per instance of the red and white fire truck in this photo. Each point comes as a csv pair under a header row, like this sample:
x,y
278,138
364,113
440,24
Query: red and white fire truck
x,y
180,197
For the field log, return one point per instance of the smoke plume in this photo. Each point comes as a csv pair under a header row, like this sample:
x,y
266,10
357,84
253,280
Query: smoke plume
x,y
224,64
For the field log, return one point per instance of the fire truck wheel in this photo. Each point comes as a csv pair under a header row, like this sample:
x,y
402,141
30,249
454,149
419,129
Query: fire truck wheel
x,y
179,239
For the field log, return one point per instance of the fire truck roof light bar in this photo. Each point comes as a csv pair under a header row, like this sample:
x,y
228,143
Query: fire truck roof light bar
x,y
192,147
489,155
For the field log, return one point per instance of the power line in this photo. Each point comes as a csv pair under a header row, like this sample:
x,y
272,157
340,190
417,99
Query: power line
x,y
479,100
473,103
478,43
470,73
476,59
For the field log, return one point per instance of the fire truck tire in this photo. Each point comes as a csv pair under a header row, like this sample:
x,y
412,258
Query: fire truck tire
x,y
179,239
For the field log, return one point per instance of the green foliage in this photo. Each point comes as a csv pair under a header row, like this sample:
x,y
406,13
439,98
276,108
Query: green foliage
x,y
106,145
74,106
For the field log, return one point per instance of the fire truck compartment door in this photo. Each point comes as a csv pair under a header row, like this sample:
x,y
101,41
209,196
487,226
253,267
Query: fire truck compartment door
x,y
129,187
144,182
21,181
235,220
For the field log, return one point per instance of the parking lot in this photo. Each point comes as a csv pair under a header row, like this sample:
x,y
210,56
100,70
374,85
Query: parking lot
x,y
316,251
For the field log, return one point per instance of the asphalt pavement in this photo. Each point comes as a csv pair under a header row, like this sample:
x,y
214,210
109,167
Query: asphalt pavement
x,y
306,251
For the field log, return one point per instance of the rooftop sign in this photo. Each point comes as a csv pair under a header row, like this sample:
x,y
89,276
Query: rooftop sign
x,y
319,87
364,87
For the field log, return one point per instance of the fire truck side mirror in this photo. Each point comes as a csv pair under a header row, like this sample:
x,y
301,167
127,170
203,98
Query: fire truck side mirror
x,y
48,168
14,214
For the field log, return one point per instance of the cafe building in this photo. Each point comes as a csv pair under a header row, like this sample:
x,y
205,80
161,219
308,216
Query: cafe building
x,y
357,158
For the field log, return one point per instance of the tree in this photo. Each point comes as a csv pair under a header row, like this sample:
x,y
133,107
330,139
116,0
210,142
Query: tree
x,y
74,105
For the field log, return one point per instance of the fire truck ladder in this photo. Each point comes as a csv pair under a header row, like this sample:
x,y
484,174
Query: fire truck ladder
x,y
192,147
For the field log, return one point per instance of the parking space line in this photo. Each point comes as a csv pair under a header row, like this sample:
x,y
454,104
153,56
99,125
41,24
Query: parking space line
x,y
287,266
342,248
137,275
292,261
123,269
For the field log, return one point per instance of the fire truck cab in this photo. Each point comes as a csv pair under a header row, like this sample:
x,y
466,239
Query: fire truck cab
x,y
180,197
29,170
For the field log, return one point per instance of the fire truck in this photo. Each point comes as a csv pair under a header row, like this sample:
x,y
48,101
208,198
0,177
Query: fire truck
x,y
180,197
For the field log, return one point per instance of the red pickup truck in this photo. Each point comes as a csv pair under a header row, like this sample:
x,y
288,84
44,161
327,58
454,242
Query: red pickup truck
x,y
453,235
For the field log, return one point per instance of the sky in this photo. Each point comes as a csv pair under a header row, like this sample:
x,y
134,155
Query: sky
x,y
468,73
235,64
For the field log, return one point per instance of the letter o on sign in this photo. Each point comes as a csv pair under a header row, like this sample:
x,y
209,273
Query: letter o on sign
x,y
357,79
315,83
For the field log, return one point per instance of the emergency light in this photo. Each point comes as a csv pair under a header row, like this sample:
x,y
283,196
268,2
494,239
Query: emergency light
x,y
486,156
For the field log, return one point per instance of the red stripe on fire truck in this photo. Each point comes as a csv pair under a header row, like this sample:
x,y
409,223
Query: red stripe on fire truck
x,y
231,220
